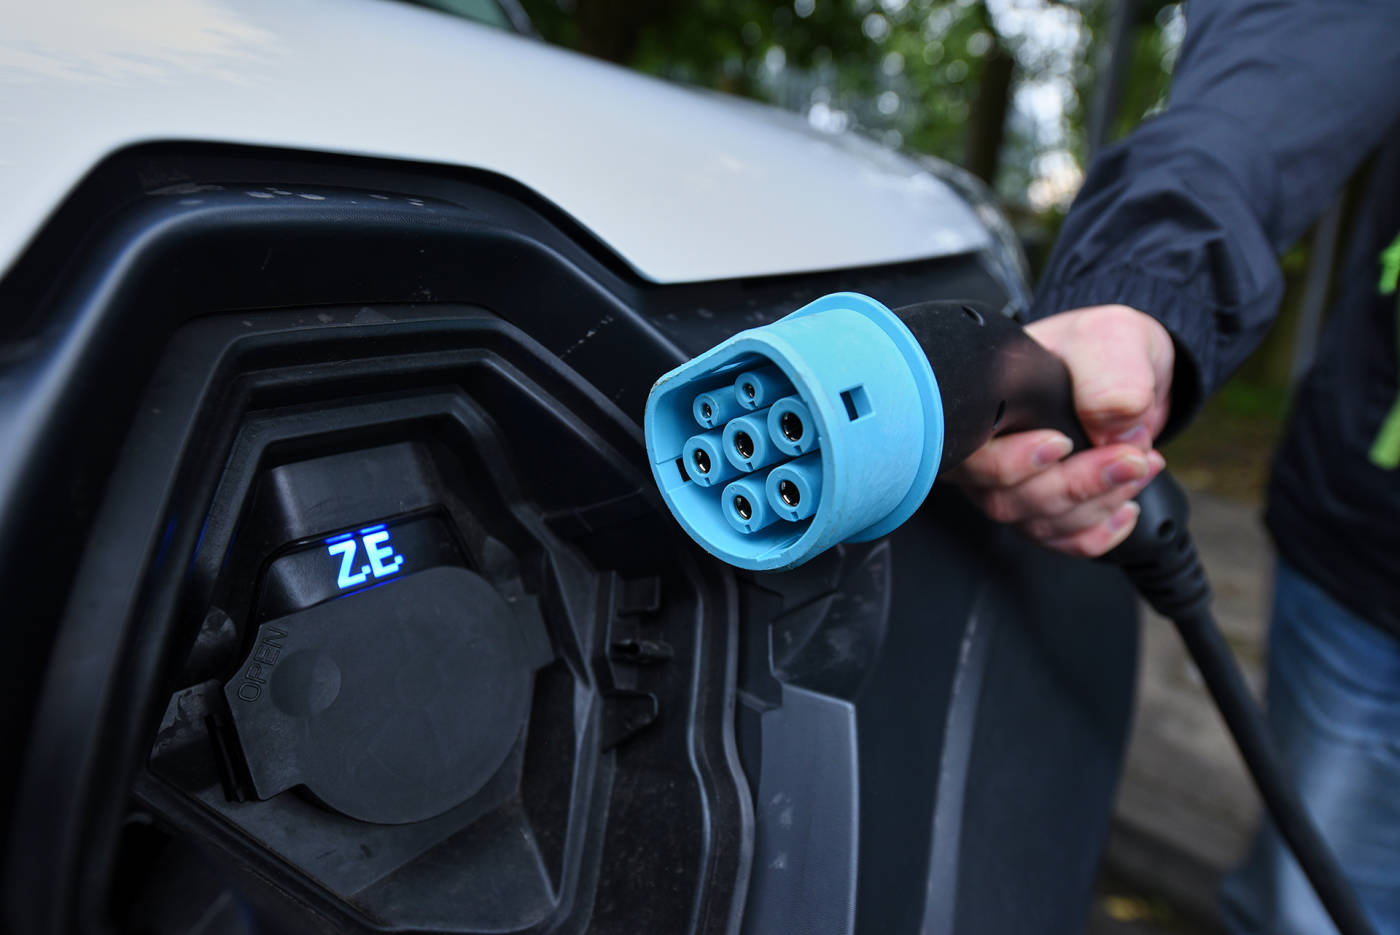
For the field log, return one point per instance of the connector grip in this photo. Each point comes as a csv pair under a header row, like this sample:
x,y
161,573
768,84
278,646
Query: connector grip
x,y
840,401
997,380
987,363
994,377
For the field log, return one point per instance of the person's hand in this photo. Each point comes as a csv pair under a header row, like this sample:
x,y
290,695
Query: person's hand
x,y
1121,362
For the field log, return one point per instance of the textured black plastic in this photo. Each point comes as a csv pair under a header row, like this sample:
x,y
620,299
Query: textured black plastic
x,y
472,353
309,574
391,705
993,377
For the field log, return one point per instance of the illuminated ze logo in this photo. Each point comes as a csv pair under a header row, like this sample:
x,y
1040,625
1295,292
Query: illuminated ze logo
x,y
374,542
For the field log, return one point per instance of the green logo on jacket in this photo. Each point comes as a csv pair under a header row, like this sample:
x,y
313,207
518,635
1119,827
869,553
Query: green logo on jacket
x,y
1385,450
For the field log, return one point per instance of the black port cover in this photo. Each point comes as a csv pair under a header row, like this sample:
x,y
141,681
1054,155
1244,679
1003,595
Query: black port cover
x,y
391,705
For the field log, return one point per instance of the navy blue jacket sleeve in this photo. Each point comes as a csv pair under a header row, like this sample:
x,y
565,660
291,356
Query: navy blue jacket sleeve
x,y
1274,104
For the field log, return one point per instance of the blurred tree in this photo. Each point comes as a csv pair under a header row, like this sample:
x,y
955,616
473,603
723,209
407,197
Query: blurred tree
x,y
993,85
986,126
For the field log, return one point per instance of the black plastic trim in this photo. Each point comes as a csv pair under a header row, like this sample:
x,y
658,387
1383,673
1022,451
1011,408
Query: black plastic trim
x,y
159,235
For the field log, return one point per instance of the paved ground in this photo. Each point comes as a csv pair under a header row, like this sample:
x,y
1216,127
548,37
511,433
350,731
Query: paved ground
x,y
1186,808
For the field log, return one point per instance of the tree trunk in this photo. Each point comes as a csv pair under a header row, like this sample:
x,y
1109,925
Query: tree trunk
x,y
611,29
986,125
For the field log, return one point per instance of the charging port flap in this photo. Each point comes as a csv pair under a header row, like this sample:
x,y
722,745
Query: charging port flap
x,y
393,704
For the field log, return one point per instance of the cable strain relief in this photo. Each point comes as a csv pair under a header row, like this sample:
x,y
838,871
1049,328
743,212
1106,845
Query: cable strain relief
x,y
1174,582
1159,556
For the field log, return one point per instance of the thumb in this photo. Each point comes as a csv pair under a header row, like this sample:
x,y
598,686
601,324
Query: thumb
x,y
1113,394
1120,362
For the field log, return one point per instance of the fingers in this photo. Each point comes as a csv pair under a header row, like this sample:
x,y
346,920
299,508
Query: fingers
x,y
1055,492
1011,459
1076,506
1115,386
1099,539
1092,511
1121,361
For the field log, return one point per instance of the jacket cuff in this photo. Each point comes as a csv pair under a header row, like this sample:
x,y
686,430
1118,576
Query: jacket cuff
x,y
1189,319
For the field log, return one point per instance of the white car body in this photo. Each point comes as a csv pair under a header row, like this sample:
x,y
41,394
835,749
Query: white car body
x,y
275,273
683,185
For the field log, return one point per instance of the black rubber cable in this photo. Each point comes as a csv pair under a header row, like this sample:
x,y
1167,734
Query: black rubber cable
x,y
1163,564
1290,816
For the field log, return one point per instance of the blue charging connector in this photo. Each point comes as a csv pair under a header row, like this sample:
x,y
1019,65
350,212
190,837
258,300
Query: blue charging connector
x,y
830,424
831,428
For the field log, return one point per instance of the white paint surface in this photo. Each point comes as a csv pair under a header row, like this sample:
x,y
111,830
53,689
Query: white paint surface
x,y
684,185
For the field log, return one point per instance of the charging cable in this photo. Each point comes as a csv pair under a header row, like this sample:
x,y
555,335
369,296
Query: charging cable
x,y
831,424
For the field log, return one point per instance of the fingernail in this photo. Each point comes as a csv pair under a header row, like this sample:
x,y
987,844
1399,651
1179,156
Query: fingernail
x,y
1126,515
1051,451
1137,435
1125,469
1155,461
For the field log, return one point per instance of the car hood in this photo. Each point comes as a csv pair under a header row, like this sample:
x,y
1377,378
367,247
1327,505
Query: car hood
x,y
684,185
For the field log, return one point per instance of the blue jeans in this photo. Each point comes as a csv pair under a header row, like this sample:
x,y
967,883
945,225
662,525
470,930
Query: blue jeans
x,y
1334,709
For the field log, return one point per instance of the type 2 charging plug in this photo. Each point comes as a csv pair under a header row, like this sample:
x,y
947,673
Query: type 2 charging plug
x,y
832,432
835,413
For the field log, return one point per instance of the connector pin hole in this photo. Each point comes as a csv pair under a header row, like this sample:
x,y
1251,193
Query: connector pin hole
x,y
743,507
706,410
1166,529
972,313
702,461
743,444
750,390
789,492
791,424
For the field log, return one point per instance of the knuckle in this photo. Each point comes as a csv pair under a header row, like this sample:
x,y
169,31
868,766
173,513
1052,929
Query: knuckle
x,y
1004,473
1083,545
977,470
1120,399
991,469
1040,529
1133,398
1070,547
1001,507
1082,486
